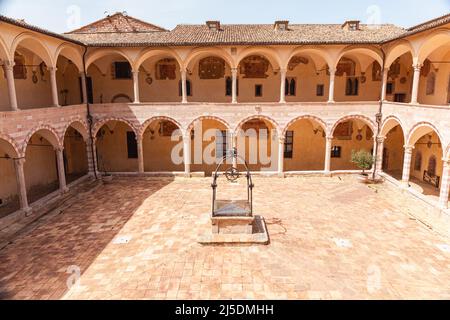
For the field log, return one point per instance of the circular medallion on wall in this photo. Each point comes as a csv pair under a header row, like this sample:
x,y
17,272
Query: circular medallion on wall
x,y
149,80
403,80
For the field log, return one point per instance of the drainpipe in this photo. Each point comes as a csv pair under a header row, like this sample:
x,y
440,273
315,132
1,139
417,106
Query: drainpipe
x,y
89,116
379,117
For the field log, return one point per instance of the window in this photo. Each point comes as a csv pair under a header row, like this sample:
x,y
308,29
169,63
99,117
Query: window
x,y
19,69
122,70
399,97
188,88
431,83
221,144
418,161
336,152
229,87
432,166
352,86
289,145
258,90
390,87
290,87
132,145
320,90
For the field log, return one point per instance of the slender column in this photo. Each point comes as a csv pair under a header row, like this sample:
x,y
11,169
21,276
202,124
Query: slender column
x,y
83,86
328,145
61,173
54,86
21,185
183,86
90,159
445,184
384,84
234,146
136,86
379,156
140,154
415,85
281,156
9,71
95,160
283,86
187,154
332,78
407,165
234,72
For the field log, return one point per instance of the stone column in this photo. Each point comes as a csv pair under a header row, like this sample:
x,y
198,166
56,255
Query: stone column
x,y
283,86
332,78
234,146
21,185
234,72
187,154
407,165
9,71
281,156
83,86
183,86
415,84
379,156
54,86
136,86
90,158
328,145
384,84
140,149
445,184
61,173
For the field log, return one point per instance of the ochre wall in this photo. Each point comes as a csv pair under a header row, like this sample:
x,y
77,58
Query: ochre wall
x,y
436,150
75,153
394,145
8,185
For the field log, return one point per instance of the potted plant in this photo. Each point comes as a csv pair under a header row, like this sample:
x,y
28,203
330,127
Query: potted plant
x,y
363,160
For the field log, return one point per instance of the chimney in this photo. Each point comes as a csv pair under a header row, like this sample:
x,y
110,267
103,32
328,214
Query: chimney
x,y
213,25
351,25
281,25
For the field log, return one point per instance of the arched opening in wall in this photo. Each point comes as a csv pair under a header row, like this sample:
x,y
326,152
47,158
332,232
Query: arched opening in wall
x,y
69,82
358,78
348,136
31,75
75,155
109,77
394,151
304,148
163,146
158,79
41,169
9,199
257,139
259,79
208,75
209,143
307,78
426,162
400,77
117,149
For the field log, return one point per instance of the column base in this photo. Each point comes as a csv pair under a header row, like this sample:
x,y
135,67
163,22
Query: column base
x,y
331,101
27,211
327,173
187,175
64,190
281,175
405,184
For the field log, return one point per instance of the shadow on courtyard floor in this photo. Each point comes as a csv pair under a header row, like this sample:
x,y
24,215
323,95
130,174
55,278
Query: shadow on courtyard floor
x,y
52,251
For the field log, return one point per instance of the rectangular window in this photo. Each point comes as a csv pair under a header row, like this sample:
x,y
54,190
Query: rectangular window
x,y
291,87
122,70
132,145
336,152
258,90
390,88
289,145
352,87
320,90
400,97
221,144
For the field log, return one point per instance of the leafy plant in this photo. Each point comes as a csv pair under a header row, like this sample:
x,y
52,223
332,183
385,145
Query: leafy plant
x,y
363,159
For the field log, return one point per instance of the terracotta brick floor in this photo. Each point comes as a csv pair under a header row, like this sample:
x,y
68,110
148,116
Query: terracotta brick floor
x,y
331,238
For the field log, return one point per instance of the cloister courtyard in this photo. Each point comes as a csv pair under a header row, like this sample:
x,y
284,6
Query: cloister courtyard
x,y
137,238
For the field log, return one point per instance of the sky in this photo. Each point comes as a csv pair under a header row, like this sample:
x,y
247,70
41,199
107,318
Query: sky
x,y
66,15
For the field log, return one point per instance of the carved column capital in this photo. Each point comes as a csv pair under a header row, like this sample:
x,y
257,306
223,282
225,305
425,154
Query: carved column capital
x,y
417,67
19,161
408,149
8,65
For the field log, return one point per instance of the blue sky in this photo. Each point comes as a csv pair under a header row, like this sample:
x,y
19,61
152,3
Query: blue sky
x,y
64,15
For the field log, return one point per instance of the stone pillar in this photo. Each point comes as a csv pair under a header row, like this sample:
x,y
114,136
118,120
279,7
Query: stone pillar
x,y
407,165
234,146
283,86
445,184
183,86
332,78
83,87
54,86
90,158
281,156
187,154
384,84
415,84
140,149
328,145
234,72
9,71
136,86
61,173
379,156
21,185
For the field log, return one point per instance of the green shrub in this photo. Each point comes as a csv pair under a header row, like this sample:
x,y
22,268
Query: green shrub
x,y
363,159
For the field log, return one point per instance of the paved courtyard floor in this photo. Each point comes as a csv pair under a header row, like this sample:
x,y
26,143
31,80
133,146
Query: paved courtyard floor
x,y
136,238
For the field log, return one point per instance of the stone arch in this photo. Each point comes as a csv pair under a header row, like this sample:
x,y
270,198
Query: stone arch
x,y
320,52
309,117
148,122
260,117
78,125
389,123
101,122
10,146
358,50
199,53
433,42
150,53
71,53
365,119
35,45
4,52
419,130
268,53
447,153
201,118
397,50
46,131
101,53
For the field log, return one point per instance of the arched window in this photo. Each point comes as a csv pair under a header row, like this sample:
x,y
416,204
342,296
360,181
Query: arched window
x,y
432,166
431,83
290,87
188,88
418,161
